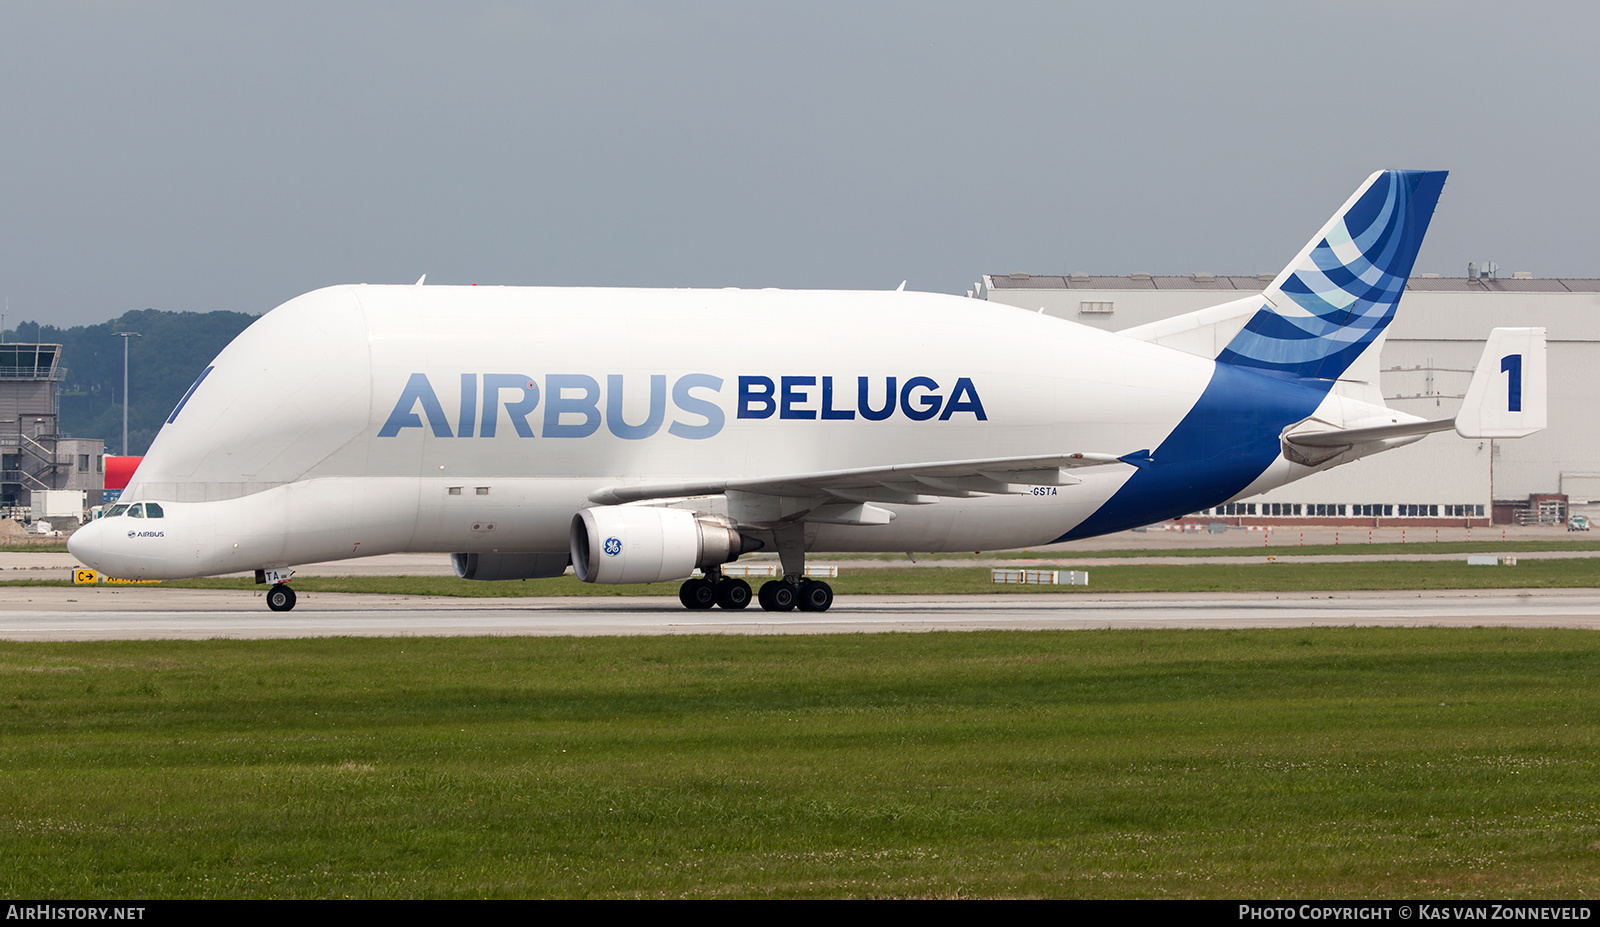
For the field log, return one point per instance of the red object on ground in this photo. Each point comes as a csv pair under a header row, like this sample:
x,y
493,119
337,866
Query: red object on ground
x,y
119,470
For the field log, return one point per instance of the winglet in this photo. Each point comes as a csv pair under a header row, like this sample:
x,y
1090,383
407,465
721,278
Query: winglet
x,y
1506,398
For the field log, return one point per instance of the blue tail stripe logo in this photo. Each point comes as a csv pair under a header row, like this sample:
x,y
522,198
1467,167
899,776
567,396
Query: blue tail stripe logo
x,y
1329,309
1347,286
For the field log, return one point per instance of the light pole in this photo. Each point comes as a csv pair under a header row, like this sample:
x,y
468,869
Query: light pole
x,y
125,336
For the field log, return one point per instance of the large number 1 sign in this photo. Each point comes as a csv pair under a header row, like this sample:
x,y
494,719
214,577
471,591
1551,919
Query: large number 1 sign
x,y
1512,365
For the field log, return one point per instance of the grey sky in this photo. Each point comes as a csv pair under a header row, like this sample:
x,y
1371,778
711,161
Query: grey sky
x,y
198,156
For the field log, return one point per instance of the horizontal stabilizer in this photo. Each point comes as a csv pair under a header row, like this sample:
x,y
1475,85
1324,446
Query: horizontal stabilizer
x,y
1505,400
1345,437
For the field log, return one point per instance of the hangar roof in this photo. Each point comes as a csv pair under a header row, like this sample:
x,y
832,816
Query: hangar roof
x,y
1256,282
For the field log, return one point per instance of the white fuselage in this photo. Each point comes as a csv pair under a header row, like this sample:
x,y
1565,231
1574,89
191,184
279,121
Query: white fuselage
x,y
362,420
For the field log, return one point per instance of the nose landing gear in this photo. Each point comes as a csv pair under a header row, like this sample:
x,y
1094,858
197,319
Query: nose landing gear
x,y
280,598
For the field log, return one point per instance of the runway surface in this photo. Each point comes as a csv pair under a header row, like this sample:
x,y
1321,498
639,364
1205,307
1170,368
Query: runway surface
x,y
59,565
98,613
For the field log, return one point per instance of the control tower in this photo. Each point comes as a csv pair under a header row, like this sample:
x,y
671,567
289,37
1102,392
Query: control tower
x,y
34,457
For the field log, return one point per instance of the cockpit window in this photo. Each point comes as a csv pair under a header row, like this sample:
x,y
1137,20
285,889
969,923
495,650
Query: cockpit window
x,y
152,510
115,511
136,510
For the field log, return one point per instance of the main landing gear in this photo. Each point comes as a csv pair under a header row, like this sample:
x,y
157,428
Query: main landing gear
x,y
779,595
720,590
794,590
808,595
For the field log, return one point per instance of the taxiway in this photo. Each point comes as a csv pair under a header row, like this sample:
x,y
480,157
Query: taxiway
x,y
99,613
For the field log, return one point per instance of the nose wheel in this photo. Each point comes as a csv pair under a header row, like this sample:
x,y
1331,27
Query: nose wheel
x,y
280,598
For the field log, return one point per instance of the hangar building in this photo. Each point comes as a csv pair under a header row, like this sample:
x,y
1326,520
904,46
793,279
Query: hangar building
x,y
1427,359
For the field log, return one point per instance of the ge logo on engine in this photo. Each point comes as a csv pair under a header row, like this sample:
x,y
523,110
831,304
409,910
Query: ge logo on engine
x,y
613,547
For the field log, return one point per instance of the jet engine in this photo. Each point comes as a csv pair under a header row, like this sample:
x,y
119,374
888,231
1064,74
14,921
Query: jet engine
x,y
642,544
509,566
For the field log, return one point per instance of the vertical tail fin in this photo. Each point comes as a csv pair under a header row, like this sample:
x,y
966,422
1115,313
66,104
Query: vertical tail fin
x,y
1334,300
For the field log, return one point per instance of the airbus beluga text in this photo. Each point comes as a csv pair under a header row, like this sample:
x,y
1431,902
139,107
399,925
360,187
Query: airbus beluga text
x,y
636,435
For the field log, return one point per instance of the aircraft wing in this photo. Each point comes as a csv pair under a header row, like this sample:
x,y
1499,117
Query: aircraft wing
x,y
907,484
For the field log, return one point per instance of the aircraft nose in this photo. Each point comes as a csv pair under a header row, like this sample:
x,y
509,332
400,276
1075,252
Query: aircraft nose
x,y
88,544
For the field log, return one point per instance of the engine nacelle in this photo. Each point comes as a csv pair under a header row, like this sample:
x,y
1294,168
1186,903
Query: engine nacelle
x,y
509,565
643,544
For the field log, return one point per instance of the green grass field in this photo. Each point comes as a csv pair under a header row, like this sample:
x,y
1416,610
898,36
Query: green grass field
x,y
1426,763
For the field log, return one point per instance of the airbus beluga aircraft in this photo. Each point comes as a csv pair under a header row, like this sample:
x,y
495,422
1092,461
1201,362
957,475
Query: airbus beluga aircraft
x,y
638,435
